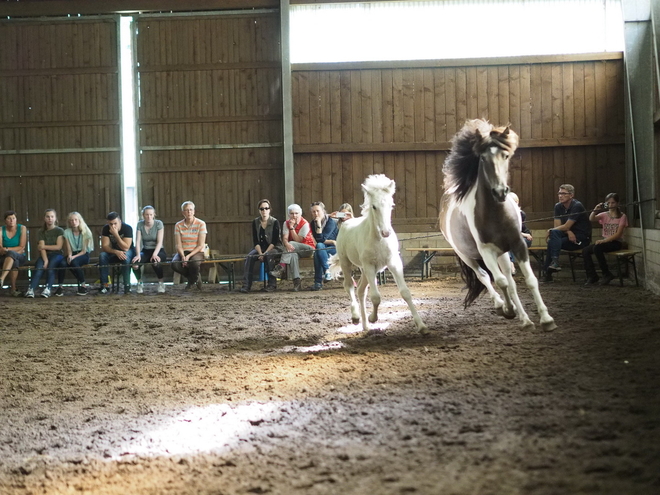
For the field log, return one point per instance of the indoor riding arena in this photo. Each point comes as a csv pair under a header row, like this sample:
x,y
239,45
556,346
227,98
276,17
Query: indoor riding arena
x,y
201,386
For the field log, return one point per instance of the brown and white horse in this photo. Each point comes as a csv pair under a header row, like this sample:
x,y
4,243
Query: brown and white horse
x,y
482,223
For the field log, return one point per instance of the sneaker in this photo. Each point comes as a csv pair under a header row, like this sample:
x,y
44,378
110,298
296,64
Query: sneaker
x,y
554,266
30,293
244,289
297,285
269,288
140,288
278,272
591,281
104,289
127,289
188,286
161,288
327,276
607,279
82,291
16,293
316,286
46,293
59,292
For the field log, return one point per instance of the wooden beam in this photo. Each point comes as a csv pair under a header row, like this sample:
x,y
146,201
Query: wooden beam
x,y
32,8
446,146
459,62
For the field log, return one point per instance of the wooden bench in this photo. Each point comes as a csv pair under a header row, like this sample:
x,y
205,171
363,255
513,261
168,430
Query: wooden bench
x,y
428,254
623,257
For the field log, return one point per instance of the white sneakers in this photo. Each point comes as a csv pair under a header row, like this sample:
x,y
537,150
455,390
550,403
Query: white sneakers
x,y
140,288
46,293
161,288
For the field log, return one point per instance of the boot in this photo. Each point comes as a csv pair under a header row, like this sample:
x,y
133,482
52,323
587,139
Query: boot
x,y
297,285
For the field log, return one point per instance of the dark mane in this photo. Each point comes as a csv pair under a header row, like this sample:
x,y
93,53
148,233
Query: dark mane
x,y
462,165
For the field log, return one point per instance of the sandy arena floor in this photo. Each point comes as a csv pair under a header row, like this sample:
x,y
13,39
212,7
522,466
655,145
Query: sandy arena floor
x,y
226,393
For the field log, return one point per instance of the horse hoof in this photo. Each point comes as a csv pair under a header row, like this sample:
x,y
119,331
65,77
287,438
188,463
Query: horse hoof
x,y
424,330
355,321
549,326
528,326
509,316
499,311
373,319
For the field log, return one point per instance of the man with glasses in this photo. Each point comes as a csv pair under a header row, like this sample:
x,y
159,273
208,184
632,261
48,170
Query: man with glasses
x,y
571,231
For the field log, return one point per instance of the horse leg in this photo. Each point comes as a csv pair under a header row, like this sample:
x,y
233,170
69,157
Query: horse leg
x,y
397,272
369,273
362,297
485,279
350,288
547,322
512,291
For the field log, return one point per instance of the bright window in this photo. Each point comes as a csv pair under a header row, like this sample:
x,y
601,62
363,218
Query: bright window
x,y
418,30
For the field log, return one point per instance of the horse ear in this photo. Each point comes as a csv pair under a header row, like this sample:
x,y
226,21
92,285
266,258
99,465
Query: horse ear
x,y
392,187
506,131
364,188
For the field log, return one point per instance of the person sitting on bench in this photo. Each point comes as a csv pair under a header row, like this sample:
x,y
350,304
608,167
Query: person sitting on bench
x,y
614,222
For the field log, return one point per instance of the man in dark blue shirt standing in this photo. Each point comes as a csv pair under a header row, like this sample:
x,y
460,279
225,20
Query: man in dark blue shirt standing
x,y
571,231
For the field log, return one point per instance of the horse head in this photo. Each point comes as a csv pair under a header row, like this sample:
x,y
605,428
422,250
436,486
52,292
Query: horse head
x,y
497,148
378,203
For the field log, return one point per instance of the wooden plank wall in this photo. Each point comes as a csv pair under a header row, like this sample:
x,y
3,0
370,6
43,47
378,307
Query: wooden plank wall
x,y
59,120
210,121
356,120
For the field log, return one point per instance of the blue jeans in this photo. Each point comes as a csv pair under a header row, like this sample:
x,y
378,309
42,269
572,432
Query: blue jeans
x,y
106,259
75,265
321,255
557,241
54,261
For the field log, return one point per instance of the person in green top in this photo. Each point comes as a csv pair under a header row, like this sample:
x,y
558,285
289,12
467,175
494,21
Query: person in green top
x,y
12,250
51,241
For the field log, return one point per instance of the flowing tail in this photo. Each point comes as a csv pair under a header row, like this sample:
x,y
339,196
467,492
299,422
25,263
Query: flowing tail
x,y
474,285
334,266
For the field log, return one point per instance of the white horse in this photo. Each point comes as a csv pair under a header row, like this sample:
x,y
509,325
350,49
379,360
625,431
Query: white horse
x,y
369,243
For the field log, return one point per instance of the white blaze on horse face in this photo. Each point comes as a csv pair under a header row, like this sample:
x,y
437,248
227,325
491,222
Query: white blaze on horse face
x,y
383,216
499,174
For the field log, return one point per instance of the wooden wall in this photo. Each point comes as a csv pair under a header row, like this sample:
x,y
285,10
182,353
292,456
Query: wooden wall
x,y
351,120
210,120
59,120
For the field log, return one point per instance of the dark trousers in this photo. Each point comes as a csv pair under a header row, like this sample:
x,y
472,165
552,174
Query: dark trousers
x,y
557,241
599,251
191,270
75,265
145,256
252,259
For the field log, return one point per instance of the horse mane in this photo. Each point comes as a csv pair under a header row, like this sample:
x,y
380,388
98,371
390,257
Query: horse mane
x,y
461,167
376,183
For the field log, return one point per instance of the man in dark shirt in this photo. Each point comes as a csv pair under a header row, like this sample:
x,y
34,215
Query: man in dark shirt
x,y
116,247
571,231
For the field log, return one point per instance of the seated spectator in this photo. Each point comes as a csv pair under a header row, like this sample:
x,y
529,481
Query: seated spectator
x,y
324,230
190,241
614,223
298,241
345,212
524,231
51,241
78,245
267,247
571,231
149,234
116,248
12,251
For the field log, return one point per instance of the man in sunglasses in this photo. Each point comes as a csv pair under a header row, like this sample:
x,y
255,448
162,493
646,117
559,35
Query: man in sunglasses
x,y
571,231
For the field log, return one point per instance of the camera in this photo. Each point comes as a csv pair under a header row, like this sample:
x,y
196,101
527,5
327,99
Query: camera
x,y
341,214
605,206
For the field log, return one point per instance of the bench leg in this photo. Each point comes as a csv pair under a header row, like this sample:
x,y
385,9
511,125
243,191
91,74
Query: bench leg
x,y
176,279
213,274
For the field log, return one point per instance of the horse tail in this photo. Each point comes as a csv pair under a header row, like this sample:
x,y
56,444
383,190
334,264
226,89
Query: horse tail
x,y
334,267
474,285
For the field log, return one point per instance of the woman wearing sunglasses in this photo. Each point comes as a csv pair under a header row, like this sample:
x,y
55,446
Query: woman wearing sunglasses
x,y
267,247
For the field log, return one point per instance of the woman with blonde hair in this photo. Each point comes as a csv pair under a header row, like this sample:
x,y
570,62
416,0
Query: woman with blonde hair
x,y
78,244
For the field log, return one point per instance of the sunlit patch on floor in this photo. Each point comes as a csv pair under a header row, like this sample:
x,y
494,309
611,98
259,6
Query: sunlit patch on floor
x,y
326,346
214,428
378,326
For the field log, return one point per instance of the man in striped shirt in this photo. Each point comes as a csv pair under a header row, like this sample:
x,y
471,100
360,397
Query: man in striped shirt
x,y
190,238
